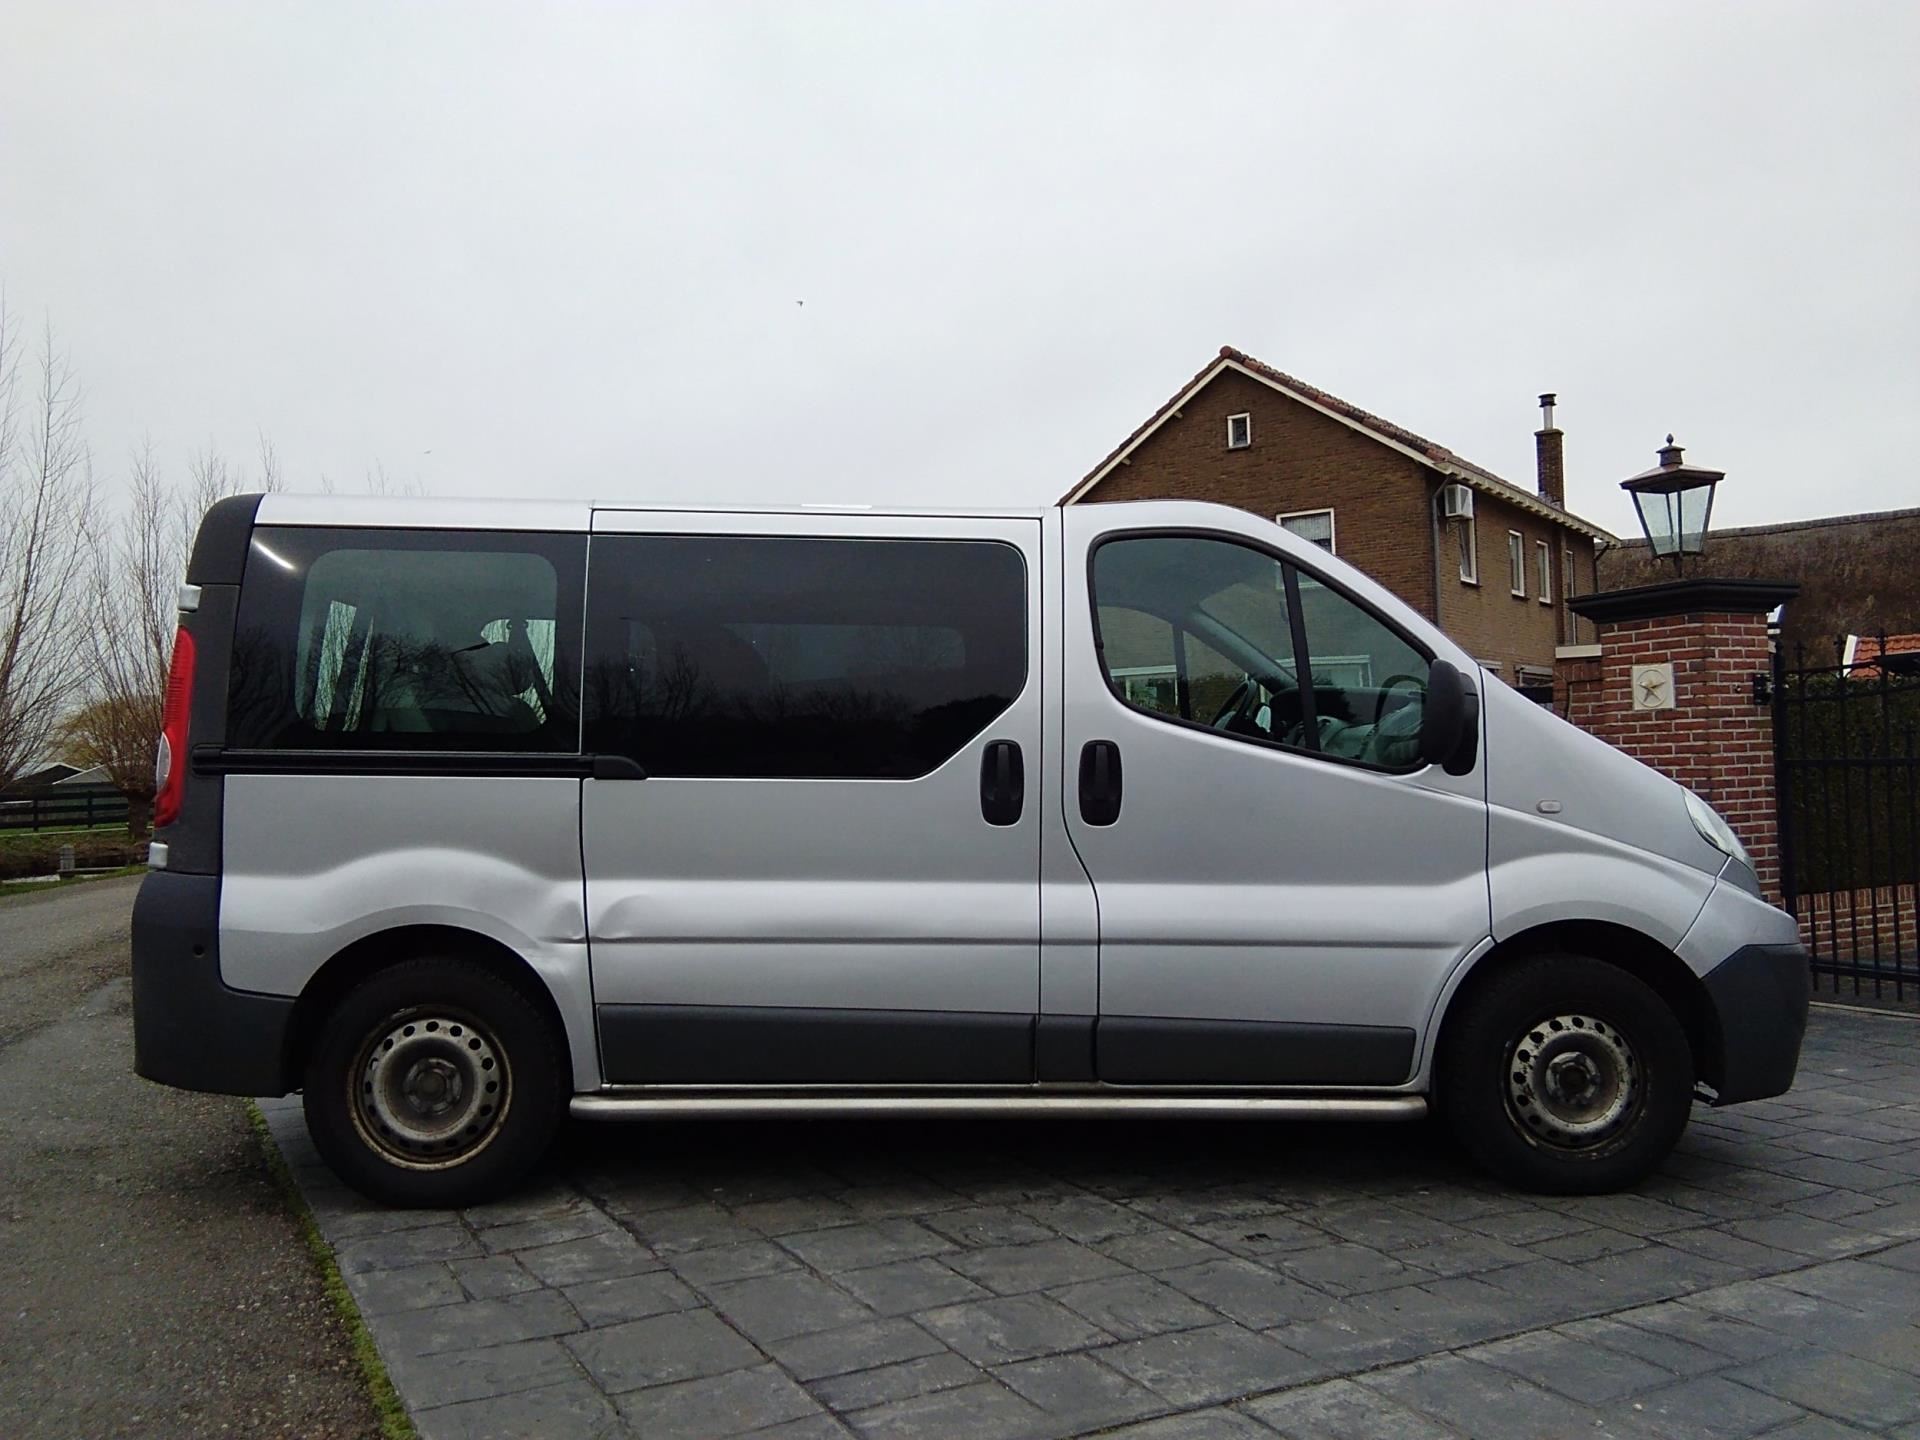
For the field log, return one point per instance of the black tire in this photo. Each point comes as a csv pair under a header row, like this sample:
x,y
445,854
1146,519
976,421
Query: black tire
x,y
435,1083
1566,1076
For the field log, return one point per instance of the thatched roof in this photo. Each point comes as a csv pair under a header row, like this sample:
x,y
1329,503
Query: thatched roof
x,y
1858,574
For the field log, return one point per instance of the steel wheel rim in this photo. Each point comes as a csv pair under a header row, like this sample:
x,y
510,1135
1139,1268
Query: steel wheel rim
x,y
1573,1082
430,1088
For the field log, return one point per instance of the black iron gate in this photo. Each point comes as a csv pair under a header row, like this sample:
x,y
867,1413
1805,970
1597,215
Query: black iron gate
x,y
1848,772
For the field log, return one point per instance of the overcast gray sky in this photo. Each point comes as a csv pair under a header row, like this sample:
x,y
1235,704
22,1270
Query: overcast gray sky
x,y
557,249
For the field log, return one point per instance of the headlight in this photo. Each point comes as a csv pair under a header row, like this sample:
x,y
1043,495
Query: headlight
x,y
1715,831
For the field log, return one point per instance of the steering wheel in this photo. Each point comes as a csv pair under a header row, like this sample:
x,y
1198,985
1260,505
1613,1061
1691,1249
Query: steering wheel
x,y
1234,702
1380,700
1325,727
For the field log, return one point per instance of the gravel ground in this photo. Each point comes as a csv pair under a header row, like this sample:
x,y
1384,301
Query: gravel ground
x,y
152,1281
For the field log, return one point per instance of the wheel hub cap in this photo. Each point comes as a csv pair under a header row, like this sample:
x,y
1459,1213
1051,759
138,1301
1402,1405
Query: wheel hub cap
x,y
430,1089
1572,1081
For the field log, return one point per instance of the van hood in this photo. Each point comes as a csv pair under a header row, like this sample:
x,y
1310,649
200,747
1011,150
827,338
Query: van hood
x,y
1536,761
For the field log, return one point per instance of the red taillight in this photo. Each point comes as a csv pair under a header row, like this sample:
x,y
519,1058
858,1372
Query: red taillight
x,y
170,765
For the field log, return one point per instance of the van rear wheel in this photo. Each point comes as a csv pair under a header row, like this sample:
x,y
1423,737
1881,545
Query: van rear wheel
x,y
1567,1076
435,1082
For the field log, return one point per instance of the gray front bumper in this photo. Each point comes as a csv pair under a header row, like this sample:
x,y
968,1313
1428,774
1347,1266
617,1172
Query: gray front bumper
x,y
1759,996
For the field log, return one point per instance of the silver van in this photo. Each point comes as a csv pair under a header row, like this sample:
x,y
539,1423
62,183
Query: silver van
x,y
474,815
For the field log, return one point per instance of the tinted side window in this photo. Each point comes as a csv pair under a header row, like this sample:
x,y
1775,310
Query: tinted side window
x,y
1198,630
407,640
783,656
1157,666
1369,682
1203,630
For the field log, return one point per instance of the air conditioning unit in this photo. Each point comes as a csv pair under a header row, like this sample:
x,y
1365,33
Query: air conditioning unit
x,y
1456,502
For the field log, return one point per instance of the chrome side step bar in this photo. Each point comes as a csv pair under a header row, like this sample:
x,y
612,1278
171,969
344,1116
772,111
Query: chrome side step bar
x,y
656,1106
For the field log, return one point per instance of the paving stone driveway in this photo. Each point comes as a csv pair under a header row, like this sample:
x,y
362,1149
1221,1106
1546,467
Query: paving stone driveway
x,y
1161,1281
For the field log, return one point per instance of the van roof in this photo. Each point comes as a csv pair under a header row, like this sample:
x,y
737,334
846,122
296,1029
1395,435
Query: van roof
x,y
437,512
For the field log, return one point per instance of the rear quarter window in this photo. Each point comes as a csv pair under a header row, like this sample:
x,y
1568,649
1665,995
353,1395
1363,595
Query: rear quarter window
x,y
407,640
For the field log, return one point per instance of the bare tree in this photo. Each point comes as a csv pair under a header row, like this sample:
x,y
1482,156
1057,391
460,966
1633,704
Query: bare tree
x,y
129,638
379,482
46,510
138,566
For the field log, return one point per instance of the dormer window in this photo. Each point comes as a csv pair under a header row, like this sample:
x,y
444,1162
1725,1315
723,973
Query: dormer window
x,y
1239,431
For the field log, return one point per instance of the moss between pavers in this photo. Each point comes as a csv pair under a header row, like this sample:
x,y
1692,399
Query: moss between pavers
x,y
395,1423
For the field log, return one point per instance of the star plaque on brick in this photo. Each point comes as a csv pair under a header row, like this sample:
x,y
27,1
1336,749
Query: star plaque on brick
x,y
1653,687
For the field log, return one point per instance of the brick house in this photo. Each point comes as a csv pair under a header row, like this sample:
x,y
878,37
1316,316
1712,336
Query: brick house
x,y
1496,579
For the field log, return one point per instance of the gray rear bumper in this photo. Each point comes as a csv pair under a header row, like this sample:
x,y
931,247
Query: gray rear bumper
x,y
190,1029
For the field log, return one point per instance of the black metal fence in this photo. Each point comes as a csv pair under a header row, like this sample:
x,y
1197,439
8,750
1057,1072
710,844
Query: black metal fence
x,y
1848,772
63,807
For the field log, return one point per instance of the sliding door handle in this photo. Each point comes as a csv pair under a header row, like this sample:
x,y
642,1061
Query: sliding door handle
x,y
1003,783
1100,782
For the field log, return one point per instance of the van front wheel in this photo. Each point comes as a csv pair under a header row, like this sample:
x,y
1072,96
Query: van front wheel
x,y
1567,1076
434,1083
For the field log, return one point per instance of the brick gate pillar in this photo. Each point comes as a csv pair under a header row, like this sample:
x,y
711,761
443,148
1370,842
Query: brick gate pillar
x,y
1680,680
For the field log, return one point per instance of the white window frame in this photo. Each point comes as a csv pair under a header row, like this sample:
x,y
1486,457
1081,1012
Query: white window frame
x,y
1333,532
1246,418
1469,552
1566,572
1360,666
1516,564
1543,552
1147,673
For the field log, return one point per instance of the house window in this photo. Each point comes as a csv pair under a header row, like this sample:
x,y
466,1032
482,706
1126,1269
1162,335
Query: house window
x,y
1239,431
1314,525
1566,573
1544,553
1517,564
1469,553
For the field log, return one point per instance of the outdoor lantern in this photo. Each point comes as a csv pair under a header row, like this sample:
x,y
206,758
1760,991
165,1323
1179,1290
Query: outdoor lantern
x,y
1674,501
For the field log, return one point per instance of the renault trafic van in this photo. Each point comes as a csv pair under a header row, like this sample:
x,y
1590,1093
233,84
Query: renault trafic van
x,y
473,815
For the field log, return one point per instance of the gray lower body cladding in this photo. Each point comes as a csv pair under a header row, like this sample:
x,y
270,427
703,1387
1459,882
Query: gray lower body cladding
x,y
797,1045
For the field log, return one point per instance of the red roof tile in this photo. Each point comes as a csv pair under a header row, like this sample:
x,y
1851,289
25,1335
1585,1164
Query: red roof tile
x,y
1867,650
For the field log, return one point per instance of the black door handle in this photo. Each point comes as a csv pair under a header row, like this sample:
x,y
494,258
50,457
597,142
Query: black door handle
x,y
1003,783
1100,782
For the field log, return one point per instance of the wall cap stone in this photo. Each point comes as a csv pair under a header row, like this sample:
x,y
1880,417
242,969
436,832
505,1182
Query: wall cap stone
x,y
1684,597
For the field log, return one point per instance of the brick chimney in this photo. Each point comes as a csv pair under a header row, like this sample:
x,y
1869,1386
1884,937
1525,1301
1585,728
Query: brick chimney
x,y
1548,457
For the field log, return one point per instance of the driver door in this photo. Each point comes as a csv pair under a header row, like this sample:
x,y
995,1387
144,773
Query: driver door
x,y
1283,887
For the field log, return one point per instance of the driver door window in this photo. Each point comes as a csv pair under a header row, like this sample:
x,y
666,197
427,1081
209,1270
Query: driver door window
x,y
1369,682
1159,667
1207,631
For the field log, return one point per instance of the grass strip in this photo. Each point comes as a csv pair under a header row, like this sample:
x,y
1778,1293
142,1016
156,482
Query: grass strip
x,y
395,1423
15,892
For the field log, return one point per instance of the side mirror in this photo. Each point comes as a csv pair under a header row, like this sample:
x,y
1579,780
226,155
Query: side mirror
x,y
1450,723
